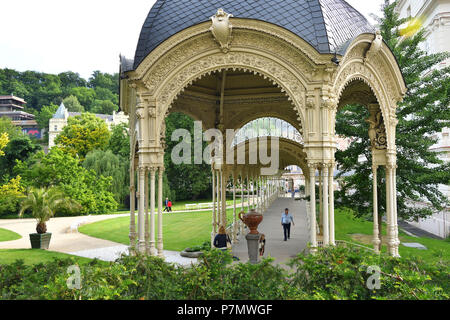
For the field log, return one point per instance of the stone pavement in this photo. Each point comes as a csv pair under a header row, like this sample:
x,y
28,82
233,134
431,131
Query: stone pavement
x,y
276,247
67,239
62,239
113,253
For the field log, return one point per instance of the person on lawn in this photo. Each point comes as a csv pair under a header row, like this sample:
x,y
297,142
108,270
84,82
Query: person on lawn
x,y
169,204
166,204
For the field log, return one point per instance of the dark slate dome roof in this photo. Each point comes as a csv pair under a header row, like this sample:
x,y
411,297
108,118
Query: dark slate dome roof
x,y
327,25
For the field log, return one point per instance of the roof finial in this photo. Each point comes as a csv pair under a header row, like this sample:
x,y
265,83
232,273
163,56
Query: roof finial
x,y
221,29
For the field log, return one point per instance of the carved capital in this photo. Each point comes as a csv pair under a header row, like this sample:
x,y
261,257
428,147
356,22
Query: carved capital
x,y
329,103
140,114
310,102
313,165
142,169
152,169
152,112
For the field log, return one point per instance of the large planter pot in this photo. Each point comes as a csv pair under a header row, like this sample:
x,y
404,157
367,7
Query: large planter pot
x,y
251,220
40,241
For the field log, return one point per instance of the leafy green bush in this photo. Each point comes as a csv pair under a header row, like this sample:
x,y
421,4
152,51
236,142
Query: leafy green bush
x,y
337,273
342,273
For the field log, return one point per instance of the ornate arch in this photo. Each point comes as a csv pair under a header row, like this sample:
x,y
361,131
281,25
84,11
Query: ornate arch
x,y
239,123
245,61
373,66
263,49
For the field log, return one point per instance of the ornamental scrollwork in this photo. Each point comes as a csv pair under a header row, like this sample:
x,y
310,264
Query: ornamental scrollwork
x,y
222,29
249,62
377,131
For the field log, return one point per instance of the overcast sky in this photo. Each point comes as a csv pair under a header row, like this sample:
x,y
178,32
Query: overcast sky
x,y
53,36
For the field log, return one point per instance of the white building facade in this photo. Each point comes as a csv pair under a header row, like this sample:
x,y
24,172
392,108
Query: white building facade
x,y
435,17
59,121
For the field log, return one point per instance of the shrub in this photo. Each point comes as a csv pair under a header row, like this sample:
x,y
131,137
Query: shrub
x,y
334,273
342,273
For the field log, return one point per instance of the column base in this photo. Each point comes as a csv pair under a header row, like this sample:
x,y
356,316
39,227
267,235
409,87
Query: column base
x,y
152,250
142,248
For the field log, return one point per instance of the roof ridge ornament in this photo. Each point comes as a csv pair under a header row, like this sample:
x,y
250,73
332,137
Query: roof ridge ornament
x,y
375,46
221,29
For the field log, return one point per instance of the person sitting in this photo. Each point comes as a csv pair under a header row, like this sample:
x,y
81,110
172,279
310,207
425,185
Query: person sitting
x,y
222,239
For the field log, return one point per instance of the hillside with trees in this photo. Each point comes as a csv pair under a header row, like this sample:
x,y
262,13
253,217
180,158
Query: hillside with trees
x,y
91,163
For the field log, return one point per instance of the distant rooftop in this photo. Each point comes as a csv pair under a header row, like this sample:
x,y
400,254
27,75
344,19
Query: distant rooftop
x,y
61,112
12,97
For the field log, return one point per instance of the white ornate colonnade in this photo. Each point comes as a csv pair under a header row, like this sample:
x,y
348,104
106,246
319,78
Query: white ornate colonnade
x,y
226,77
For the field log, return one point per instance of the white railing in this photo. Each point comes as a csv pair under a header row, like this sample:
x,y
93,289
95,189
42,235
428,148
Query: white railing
x,y
195,206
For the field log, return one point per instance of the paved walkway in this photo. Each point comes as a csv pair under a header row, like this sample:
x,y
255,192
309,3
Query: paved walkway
x,y
416,231
276,247
68,240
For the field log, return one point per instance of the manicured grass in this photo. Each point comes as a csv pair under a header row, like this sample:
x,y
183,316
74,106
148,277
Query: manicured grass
x,y
180,230
349,228
181,205
35,256
6,235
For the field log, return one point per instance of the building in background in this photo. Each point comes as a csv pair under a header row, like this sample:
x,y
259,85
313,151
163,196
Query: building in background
x,y
435,17
12,107
59,121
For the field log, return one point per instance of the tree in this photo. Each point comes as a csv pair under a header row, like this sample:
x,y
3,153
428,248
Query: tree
x,y
70,80
42,89
104,80
86,96
119,143
424,112
11,195
107,164
104,107
60,169
72,104
4,139
44,116
6,126
43,204
19,148
83,134
187,181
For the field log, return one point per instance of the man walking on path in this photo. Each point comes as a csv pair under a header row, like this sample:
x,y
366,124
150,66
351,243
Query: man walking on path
x,y
286,220
169,204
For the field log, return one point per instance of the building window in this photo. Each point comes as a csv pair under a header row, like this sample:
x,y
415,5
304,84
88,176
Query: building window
x,y
56,128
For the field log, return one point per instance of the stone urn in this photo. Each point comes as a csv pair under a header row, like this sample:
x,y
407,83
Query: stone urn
x,y
252,220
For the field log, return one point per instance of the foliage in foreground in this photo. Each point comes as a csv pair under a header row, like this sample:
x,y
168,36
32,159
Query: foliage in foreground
x,y
337,273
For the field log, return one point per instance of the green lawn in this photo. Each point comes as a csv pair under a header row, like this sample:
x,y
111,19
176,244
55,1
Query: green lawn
x,y
181,205
6,235
35,256
351,229
183,230
180,230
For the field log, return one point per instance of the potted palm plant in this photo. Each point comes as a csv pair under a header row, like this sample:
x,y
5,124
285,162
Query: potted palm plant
x,y
43,203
